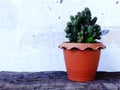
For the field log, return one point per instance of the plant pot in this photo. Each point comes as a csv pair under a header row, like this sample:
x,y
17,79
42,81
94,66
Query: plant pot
x,y
81,60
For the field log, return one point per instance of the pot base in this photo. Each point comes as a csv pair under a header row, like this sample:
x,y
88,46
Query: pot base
x,y
79,78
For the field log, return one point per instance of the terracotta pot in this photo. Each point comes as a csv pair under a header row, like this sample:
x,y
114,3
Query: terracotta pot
x,y
81,60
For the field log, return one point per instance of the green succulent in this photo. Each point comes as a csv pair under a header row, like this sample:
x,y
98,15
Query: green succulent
x,y
82,28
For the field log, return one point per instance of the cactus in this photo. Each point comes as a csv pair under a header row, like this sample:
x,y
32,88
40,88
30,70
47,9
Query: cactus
x,y
82,28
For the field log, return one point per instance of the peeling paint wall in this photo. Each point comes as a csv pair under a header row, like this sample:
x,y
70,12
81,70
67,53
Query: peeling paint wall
x,y
31,30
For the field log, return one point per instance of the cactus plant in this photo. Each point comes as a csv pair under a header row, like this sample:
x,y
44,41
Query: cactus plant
x,y
82,28
84,35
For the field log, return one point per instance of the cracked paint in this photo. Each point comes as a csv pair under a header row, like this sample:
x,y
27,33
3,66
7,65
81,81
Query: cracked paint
x,y
49,8
117,2
61,1
59,17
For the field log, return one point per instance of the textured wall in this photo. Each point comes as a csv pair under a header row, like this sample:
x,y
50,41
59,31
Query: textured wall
x,y
31,30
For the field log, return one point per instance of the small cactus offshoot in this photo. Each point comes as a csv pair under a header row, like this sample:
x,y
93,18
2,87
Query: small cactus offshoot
x,y
82,28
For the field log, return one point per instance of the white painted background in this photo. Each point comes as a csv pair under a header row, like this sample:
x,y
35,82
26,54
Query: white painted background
x,y
31,30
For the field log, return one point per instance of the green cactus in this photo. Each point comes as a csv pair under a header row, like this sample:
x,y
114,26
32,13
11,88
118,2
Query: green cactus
x,y
82,28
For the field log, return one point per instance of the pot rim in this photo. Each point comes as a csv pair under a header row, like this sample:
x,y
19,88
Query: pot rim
x,y
82,46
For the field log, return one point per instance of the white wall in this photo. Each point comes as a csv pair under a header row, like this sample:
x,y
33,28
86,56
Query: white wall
x,y
31,30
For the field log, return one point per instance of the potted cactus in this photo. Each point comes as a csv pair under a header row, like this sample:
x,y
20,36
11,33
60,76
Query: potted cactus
x,y
82,52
